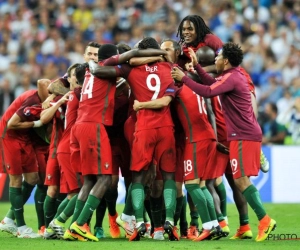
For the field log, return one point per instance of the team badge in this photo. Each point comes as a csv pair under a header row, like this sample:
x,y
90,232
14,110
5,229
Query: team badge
x,y
27,111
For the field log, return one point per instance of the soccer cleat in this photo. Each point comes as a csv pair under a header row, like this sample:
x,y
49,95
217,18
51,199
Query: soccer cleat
x,y
49,234
84,231
171,231
42,230
183,230
148,230
264,163
192,232
205,234
58,227
68,235
158,233
138,232
99,232
128,227
9,228
225,229
243,233
114,230
266,225
216,233
28,234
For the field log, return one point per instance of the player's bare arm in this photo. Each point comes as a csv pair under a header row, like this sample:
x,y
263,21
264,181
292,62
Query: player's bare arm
x,y
42,85
136,61
58,88
15,122
154,104
46,103
48,114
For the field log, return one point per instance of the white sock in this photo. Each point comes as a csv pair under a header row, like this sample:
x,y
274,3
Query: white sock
x,y
207,225
215,223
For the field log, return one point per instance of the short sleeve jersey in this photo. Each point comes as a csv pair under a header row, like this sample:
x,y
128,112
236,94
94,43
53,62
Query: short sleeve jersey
x,y
70,119
191,110
150,82
28,98
97,100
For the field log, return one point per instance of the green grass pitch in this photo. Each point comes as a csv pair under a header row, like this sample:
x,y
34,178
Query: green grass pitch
x,y
286,215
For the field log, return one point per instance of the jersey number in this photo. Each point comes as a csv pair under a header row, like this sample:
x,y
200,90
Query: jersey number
x,y
201,104
156,87
87,90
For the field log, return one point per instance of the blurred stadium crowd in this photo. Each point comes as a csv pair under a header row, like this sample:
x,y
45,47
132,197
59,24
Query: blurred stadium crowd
x,y
41,38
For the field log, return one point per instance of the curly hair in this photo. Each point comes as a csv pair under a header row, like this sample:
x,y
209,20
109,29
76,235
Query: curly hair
x,y
201,29
148,42
233,53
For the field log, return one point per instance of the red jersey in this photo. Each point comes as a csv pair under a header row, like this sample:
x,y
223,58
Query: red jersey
x,y
57,128
97,100
233,88
70,119
150,82
249,80
220,121
192,114
28,98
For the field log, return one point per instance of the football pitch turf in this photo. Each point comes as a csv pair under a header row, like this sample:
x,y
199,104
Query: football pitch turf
x,y
287,217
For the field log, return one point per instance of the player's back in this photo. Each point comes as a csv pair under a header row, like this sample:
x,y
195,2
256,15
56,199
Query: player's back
x,y
97,100
14,107
150,82
191,109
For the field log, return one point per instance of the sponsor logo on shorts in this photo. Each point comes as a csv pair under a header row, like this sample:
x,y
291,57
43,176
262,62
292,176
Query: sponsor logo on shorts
x,y
106,165
49,176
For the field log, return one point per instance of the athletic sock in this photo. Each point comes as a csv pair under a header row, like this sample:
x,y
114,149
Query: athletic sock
x,y
61,207
156,210
223,198
100,213
49,209
138,197
244,219
59,200
170,193
68,211
111,197
16,200
179,202
183,211
88,209
26,192
210,204
78,208
199,200
128,208
39,198
253,198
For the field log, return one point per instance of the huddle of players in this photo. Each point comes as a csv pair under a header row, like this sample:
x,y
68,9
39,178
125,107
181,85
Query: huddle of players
x,y
153,143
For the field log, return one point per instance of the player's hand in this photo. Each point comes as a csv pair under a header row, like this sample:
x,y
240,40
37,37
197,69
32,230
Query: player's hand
x,y
136,105
222,148
193,57
177,74
46,103
65,98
